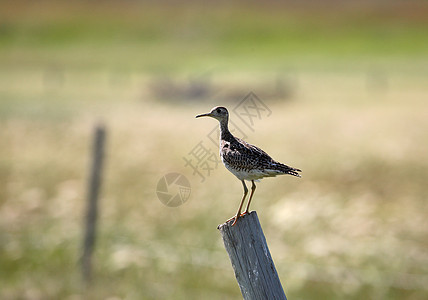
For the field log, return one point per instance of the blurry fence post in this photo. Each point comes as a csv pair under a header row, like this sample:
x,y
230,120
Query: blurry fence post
x,y
251,260
92,201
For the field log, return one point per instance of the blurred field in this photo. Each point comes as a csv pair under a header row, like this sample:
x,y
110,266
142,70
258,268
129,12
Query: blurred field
x,y
348,90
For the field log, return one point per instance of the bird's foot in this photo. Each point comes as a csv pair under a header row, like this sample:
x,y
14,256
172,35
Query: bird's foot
x,y
230,219
234,218
244,213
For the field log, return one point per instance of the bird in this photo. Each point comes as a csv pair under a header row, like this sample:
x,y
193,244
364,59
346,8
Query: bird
x,y
244,160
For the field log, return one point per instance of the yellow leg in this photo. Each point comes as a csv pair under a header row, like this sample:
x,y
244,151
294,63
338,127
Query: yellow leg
x,y
253,188
240,205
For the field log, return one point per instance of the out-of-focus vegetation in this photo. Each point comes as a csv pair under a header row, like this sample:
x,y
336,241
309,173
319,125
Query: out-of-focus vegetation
x,y
347,87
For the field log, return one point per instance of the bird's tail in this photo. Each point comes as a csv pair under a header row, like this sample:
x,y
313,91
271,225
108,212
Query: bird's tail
x,y
284,169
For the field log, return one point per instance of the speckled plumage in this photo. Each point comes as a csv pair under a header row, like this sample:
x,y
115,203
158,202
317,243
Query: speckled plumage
x,y
245,161
248,162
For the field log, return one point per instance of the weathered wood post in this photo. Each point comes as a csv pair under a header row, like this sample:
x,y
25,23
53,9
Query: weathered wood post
x,y
251,260
92,204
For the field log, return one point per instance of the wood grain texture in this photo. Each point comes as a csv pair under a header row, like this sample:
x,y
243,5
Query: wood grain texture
x,y
251,260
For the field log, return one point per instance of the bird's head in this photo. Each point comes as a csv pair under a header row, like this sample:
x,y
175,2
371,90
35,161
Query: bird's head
x,y
219,112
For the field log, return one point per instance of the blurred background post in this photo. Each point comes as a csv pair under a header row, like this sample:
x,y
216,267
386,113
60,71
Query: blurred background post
x,y
92,208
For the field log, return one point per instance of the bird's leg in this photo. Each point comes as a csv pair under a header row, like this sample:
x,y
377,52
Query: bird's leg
x,y
240,205
253,188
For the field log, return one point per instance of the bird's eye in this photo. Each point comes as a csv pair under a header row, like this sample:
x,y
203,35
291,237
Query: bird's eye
x,y
218,110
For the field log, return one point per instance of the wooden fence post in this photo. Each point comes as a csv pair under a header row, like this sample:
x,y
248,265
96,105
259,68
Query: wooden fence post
x,y
92,205
251,260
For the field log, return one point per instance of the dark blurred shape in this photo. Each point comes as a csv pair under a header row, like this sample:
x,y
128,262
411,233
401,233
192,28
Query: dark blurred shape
x,y
194,89
92,205
282,87
285,87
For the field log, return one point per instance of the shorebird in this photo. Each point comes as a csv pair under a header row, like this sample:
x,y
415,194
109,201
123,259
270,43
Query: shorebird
x,y
245,161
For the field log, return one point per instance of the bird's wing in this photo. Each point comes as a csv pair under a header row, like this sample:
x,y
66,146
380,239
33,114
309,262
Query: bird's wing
x,y
244,155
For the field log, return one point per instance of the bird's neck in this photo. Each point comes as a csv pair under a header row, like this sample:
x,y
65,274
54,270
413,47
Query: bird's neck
x,y
224,130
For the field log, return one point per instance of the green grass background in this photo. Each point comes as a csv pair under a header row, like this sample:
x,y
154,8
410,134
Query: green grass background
x,y
347,84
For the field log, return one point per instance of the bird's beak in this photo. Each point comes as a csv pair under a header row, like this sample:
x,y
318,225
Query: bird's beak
x,y
204,115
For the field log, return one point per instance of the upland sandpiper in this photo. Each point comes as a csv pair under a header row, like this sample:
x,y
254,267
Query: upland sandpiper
x,y
245,161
